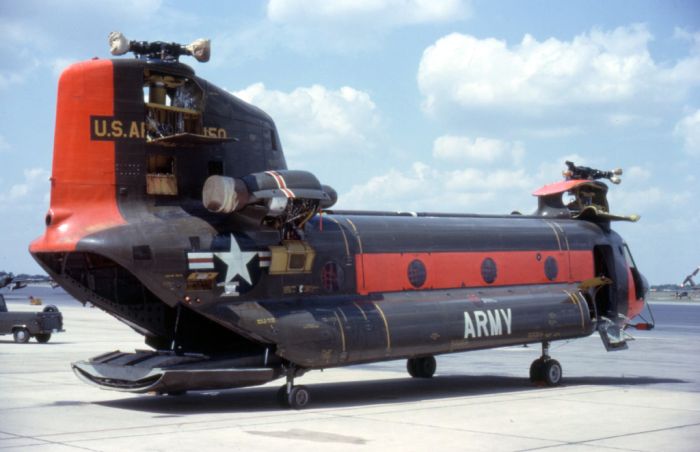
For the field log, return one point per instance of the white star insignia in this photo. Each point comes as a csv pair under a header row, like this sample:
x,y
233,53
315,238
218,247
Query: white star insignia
x,y
237,261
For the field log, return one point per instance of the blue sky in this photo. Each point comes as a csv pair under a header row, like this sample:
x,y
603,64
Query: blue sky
x,y
462,106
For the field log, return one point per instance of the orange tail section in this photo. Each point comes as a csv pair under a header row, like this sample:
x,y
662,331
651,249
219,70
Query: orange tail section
x,y
83,186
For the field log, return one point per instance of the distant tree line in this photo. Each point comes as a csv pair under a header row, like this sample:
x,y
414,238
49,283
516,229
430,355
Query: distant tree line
x,y
25,275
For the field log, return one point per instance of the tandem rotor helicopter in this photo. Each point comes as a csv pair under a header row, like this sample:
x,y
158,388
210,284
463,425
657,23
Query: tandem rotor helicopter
x,y
173,210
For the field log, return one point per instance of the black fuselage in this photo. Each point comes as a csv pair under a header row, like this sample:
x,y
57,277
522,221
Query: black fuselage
x,y
127,231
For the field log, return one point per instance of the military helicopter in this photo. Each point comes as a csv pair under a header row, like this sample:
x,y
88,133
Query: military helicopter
x,y
689,286
22,281
173,210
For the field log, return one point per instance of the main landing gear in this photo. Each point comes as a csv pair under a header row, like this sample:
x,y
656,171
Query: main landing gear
x,y
423,367
290,396
545,370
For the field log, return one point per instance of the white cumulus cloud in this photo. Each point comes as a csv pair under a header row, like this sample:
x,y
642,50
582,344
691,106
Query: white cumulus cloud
x,y
316,118
428,188
598,67
31,191
348,26
688,129
477,150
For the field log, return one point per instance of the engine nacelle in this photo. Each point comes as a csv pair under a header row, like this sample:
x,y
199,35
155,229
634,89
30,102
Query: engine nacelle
x,y
224,194
285,194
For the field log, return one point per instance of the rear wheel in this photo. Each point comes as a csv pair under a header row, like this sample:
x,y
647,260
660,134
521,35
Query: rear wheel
x,y
21,335
298,397
537,370
282,397
421,367
552,372
43,338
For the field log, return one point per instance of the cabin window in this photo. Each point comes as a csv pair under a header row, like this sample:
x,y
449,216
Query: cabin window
x,y
273,140
160,178
215,168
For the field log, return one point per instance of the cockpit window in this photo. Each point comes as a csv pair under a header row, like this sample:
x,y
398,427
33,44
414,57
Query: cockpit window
x,y
628,256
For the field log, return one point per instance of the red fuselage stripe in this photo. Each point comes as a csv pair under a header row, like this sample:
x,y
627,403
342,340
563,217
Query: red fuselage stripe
x,y
388,272
278,179
281,183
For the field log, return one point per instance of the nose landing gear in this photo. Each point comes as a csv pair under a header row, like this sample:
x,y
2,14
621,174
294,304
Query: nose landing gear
x,y
545,370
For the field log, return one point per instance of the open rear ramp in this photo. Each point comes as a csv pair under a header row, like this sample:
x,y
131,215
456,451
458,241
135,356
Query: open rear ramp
x,y
167,372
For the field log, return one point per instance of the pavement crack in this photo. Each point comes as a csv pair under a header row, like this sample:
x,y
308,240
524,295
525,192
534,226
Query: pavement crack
x,y
603,438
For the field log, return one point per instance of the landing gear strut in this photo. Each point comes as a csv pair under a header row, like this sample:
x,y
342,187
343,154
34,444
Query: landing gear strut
x,y
545,369
290,396
423,367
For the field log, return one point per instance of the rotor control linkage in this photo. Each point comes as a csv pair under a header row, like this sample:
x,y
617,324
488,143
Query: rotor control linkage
x,y
584,172
545,370
200,49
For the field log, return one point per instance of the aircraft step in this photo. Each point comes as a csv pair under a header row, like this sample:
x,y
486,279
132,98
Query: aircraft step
x,y
613,335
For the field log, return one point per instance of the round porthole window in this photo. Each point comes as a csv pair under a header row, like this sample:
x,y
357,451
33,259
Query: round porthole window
x,y
551,268
417,273
489,271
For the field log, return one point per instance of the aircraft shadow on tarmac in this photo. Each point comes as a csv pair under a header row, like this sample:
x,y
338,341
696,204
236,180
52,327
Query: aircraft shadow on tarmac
x,y
358,393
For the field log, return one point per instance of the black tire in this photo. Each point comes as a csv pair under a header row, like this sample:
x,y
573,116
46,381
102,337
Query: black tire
x,y
552,372
50,308
21,335
537,371
298,397
43,337
281,396
411,367
176,393
421,367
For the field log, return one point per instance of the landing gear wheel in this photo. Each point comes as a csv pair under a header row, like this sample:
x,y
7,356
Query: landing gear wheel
x,y
537,370
298,397
176,393
545,370
421,367
411,367
43,338
281,397
552,372
21,335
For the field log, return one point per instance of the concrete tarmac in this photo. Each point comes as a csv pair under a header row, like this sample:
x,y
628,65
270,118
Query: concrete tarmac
x,y
643,399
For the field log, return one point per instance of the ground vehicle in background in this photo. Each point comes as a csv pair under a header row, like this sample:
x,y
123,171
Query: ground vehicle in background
x,y
26,325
